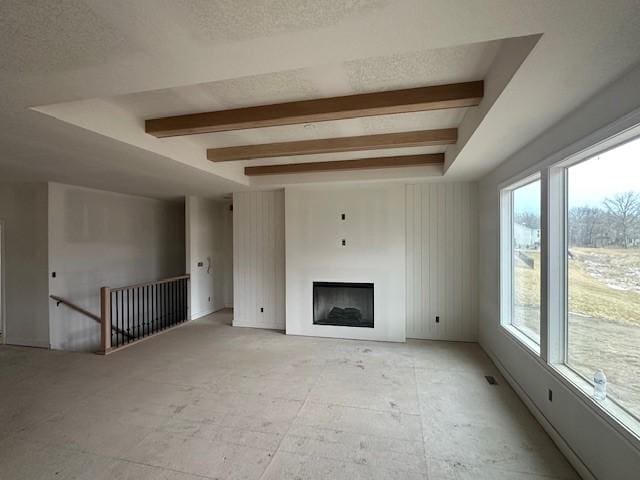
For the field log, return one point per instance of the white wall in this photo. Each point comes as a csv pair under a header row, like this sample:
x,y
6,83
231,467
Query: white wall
x,y
206,245
442,261
258,259
99,238
23,207
374,230
605,452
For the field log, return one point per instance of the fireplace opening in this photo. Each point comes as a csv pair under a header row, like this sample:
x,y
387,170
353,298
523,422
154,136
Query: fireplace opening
x,y
343,304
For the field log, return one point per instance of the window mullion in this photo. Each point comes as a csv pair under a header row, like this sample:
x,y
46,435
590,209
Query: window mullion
x,y
545,332
556,283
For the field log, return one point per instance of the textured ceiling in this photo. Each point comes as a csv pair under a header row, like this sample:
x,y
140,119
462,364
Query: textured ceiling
x,y
55,35
380,73
408,70
228,20
84,61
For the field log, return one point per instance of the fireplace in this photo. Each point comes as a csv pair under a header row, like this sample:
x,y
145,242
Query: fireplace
x,y
343,304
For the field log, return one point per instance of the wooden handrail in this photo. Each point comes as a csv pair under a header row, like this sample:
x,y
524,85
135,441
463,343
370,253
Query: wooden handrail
x,y
73,306
81,310
156,282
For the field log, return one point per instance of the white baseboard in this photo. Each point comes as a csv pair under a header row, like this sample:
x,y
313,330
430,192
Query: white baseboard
x,y
26,342
195,316
560,442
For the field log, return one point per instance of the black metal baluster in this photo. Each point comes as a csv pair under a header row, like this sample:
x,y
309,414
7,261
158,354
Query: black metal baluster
x,y
121,323
111,303
185,291
173,303
155,306
128,314
134,316
134,307
165,297
148,304
138,319
142,314
180,300
146,309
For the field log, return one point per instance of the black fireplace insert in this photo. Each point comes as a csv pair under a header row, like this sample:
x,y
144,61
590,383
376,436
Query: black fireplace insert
x,y
343,304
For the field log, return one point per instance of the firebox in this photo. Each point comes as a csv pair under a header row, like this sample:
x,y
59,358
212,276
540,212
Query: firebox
x,y
343,304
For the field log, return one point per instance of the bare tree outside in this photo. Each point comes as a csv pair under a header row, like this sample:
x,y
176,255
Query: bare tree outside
x,y
624,210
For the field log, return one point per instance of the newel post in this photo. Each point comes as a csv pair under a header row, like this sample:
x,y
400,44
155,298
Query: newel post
x,y
105,320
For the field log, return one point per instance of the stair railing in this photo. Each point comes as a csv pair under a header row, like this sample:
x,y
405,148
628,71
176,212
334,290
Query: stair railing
x,y
136,312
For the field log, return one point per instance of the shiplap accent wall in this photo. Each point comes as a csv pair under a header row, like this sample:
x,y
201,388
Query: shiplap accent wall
x,y
442,261
258,259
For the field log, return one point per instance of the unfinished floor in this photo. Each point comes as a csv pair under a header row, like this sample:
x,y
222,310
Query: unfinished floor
x,y
211,401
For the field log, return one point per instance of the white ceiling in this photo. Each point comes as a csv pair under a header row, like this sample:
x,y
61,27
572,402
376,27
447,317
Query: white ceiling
x,y
103,67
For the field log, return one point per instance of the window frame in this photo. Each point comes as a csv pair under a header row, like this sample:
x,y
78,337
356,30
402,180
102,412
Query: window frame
x,y
506,259
551,355
558,308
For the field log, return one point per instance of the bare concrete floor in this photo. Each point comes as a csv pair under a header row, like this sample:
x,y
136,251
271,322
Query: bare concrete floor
x,y
211,401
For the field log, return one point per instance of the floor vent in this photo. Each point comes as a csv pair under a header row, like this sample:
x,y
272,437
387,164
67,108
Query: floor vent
x,y
491,380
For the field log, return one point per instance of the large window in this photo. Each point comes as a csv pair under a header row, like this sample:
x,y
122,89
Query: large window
x,y
603,271
587,318
522,254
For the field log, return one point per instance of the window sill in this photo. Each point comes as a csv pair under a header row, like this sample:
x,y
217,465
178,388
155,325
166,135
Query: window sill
x,y
609,410
522,338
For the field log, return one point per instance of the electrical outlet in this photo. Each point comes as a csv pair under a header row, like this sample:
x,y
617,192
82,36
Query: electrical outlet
x,y
437,318
344,242
343,216
53,274
261,309
550,395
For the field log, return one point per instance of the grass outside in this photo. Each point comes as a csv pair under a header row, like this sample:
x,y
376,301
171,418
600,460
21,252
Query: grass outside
x,y
604,318
603,283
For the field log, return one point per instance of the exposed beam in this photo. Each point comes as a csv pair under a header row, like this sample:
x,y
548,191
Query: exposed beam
x,y
320,110
423,138
341,165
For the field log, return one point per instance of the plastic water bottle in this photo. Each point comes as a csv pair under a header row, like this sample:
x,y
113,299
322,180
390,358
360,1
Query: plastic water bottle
x,y
600,386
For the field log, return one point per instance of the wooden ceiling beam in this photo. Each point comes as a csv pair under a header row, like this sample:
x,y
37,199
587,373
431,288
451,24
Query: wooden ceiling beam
x,y
344,165
422,138
320,110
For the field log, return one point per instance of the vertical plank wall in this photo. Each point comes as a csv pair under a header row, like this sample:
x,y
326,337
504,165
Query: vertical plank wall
x,y
442,261
258,259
